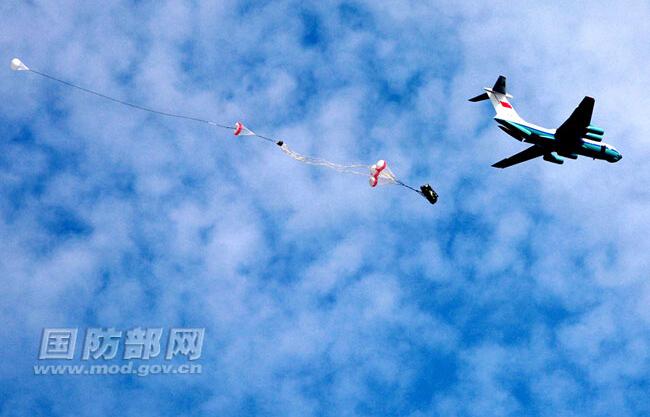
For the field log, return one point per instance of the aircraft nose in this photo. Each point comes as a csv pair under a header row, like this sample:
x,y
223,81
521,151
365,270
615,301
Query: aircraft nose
x,y
616,156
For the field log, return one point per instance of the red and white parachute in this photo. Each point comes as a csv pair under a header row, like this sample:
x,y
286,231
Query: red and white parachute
x,y
378,173
241,130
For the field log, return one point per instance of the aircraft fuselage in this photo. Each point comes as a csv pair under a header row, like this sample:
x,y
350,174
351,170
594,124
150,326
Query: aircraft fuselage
x,y
545,138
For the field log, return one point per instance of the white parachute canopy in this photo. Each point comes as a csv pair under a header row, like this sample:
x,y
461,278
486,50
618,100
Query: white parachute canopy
x,y
17,65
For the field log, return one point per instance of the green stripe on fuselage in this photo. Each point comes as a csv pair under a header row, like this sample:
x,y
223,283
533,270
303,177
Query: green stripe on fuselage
x,y
529,132
591,146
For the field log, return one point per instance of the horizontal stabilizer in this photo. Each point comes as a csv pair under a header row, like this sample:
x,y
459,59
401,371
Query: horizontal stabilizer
x,y
480,97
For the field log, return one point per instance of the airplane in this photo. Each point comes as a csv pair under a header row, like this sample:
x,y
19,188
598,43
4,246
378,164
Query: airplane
x,y
576,136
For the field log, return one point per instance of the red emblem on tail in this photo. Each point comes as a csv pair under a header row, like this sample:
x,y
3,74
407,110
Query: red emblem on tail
x,y
506,104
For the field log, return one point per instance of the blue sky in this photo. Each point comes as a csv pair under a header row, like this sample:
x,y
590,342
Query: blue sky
x,y
524,292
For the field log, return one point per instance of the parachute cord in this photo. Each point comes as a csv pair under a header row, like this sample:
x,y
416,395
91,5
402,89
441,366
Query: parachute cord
x,y
126,103
139,107
267,139
398,182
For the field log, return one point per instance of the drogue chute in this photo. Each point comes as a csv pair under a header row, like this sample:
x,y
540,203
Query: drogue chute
x,y
17,65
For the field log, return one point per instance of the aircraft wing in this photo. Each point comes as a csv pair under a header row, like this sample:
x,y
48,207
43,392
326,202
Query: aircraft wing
x,y
523,156
576,125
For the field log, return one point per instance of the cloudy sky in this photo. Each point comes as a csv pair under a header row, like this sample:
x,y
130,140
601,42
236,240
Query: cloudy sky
x,y
523,292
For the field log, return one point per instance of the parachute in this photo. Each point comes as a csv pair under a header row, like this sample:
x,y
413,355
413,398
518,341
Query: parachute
x,y
17,65
241,130
378,173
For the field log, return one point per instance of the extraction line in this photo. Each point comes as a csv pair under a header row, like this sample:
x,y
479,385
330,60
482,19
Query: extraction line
x,y
126,103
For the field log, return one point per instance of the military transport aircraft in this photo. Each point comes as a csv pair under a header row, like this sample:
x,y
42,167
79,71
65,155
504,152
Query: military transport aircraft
x,y
576,136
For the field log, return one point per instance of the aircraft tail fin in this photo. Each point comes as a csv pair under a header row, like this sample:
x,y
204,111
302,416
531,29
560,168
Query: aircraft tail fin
x,y
500,85
498,96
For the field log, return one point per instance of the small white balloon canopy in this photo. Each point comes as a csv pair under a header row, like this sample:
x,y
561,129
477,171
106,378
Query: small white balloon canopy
x,y
17,65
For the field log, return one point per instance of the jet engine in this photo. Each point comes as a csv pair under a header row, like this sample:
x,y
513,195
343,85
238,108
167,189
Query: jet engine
x,y
594,137
594,133
553,157
595,129
569,155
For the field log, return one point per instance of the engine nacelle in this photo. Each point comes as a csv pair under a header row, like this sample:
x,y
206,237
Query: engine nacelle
x,y
595,130
553,157
594,137
569,155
